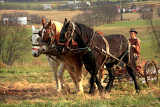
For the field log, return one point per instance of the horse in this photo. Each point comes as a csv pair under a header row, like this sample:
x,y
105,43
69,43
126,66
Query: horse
x,y
49,38
98,51
58,74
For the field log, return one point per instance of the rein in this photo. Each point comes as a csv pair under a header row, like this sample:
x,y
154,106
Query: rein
x,y
53,59
104,52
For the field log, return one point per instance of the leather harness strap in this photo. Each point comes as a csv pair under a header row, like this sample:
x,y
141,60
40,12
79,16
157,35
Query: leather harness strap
x,y
107,50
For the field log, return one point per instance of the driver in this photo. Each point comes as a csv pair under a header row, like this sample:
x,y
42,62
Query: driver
x,y
135,42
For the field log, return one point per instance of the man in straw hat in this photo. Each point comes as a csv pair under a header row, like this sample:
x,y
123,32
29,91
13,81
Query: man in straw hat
x,y
135,42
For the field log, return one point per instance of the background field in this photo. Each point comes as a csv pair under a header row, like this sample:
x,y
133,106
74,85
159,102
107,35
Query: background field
x,y
30,82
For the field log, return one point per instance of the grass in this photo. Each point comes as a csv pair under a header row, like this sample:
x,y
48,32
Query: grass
x,y
132,23
126,101
34,86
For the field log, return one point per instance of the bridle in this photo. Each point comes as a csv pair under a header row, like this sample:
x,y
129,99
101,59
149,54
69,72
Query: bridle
x,y
36,44
51,35
69,35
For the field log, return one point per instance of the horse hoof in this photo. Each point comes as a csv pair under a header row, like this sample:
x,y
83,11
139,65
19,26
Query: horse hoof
x,y
101,91
91,92
107,91
138,91
79,93
58,90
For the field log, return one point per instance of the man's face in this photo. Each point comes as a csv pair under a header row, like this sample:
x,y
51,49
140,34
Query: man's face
x,y
133,35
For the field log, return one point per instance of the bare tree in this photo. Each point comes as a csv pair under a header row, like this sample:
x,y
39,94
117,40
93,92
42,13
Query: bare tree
x,y
155,28
2,36
158,11
101,14
146,12
14,42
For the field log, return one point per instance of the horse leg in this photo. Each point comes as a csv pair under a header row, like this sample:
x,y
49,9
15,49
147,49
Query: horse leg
x,y
94,79
78,72
60,74
72,74
54,66
111,79
101,74
92,87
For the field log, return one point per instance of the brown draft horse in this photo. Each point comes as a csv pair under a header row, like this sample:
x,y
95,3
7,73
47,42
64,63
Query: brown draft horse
x,y
49,39
115,46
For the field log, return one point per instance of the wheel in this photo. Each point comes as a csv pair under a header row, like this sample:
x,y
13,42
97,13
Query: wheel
x,y
151,73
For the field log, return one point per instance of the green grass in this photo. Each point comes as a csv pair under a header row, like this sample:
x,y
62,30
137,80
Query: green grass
x,y
31,74
133,23
126,24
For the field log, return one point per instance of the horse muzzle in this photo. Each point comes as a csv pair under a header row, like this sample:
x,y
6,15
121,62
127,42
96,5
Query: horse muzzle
x,y
43,49
35,53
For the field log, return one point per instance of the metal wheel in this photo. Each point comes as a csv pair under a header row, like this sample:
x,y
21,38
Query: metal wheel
x,y
151,73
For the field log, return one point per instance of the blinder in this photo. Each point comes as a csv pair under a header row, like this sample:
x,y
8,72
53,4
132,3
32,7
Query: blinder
x,y
69,34
70,43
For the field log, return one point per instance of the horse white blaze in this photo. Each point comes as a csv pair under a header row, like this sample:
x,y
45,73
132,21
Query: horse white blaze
x,y
35,47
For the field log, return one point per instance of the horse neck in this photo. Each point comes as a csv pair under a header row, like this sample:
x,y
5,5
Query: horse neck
x,y
57,29
83,35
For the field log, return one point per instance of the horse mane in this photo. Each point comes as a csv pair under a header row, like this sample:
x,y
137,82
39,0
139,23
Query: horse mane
x,y
82,26
58,26
87,31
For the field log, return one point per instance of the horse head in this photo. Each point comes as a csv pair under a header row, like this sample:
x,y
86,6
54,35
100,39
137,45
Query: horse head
x,y
35,38
50,34
75,33
67,31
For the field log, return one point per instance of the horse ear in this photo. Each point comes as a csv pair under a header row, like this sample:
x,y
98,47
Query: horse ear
x,y
68,23
65,21
50,22
33,29
43,21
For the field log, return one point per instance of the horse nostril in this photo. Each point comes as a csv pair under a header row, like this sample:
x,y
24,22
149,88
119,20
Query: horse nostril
x,y
43,50
35,54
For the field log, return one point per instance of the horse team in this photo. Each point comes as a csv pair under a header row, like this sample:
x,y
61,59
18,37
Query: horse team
x,y
72,45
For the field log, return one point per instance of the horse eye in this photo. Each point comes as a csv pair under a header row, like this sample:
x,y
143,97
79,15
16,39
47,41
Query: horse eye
x,y
39,39
31,38
39,33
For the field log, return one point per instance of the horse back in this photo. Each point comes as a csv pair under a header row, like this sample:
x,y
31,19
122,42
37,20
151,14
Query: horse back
x,y
117,43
